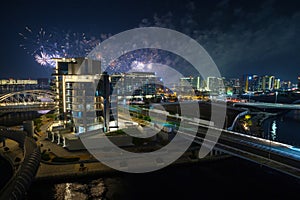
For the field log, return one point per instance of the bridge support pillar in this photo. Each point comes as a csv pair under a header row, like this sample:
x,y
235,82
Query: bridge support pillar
x,y
58,138
64,142
52,137
29,127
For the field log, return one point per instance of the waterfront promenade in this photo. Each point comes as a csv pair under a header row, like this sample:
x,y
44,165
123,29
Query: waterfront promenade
x,y
86,165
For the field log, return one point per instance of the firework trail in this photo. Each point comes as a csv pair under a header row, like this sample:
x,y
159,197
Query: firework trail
x,y
141,60
35,43
44,46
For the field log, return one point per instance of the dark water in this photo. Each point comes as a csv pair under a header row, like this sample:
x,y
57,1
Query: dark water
x,y
13,119
228,178
284,128
6,171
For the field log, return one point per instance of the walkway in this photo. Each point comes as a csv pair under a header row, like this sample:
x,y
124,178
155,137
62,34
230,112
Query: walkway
x,y
90,167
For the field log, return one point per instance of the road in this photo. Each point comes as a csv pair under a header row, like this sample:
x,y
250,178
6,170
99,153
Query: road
x,y
282,157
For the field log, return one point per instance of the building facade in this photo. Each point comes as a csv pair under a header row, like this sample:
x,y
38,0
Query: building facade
x,y
83,98
14,85
143,84
215,85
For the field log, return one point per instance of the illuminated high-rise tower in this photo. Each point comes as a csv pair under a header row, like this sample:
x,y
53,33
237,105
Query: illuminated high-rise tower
x,y
78,94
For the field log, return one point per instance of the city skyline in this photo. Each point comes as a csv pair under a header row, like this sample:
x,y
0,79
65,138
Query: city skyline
x,y
241,37
180,94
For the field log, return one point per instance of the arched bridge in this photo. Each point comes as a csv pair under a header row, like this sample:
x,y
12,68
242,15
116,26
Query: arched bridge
x,y
27,100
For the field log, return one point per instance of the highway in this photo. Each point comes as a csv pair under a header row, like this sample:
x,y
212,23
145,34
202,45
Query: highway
x,y
282,157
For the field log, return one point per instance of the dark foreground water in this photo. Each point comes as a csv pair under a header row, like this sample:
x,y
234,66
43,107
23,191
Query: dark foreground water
x,y
230,178
6,171
17,118
284,128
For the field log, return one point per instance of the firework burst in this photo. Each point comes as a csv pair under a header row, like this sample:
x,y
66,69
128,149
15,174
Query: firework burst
x,y
44,45
45,59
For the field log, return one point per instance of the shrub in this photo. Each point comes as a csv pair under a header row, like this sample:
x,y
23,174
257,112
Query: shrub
x,y
117,132
37,121
51,116
147,118
140,116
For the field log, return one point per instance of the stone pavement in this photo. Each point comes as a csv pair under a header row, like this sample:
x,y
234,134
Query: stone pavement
x,y
46,144
48,171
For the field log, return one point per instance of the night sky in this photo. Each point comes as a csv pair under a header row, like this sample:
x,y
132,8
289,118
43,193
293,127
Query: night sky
x,y
242,37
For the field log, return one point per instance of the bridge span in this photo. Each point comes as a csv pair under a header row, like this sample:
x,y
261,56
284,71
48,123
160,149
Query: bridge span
x,y
27,100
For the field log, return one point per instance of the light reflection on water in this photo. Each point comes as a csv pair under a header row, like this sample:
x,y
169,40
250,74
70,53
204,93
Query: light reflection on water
x,y
284,128
231,177
80,191
273,131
